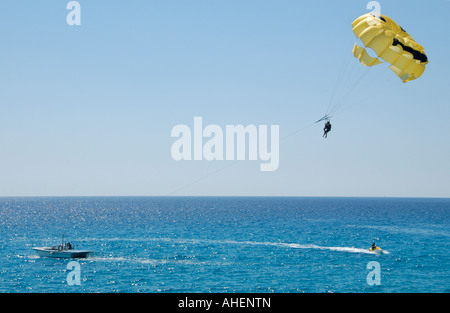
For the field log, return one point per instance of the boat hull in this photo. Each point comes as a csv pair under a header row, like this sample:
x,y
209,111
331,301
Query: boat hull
x,y
53,253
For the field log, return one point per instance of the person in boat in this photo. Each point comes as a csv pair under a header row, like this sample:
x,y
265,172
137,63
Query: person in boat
x,y
374,246
326,129
69,246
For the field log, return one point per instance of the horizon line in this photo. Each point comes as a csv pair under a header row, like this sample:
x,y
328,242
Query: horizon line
x,y
218,196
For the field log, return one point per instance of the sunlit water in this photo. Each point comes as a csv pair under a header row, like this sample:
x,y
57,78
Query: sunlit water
x,y
177,244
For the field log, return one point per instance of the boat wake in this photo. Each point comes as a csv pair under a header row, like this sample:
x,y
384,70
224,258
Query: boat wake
x,y
342,249
146,261
311,246
244,243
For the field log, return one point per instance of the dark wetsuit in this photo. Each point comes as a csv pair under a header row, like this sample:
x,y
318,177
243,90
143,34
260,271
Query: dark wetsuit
x,y
326,129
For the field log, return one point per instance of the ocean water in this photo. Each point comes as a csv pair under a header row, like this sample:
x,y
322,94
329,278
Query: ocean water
x,y
227,244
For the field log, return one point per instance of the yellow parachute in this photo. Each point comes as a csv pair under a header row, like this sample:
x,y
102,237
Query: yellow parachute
x,y
391,43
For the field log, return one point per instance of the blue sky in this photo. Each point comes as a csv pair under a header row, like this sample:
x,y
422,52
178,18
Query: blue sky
x,y
88,110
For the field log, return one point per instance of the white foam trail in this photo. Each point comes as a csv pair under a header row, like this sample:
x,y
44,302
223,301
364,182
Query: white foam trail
x,y
308,246
251,243
342,249
144,260
123,259
316,247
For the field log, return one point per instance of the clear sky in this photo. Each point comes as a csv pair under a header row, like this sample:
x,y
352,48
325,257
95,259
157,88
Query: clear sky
x,y
88,110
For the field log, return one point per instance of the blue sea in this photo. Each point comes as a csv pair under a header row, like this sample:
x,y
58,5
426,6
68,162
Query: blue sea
x,y
227,244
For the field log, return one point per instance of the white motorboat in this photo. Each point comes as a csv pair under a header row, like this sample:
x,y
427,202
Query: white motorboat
x,y
51,252
64,250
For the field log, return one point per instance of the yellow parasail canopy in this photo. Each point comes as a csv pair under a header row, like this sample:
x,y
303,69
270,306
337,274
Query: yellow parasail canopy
x,y
391,43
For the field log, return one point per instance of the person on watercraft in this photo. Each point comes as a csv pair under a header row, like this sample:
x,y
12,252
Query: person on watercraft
x,y
374,246
326,129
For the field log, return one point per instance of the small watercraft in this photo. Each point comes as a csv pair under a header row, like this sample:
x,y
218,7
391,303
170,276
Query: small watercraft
x,y
376,249
64,250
